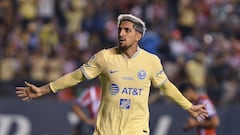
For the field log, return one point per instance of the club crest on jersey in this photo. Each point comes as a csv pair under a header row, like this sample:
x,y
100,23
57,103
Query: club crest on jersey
x,y
125,103
142,74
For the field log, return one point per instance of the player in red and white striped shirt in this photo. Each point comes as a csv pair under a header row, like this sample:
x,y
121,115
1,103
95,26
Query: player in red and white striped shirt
x,y
89,99
207,126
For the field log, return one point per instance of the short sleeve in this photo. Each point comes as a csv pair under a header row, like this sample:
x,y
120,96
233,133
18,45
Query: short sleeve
x,y
93,67
158,75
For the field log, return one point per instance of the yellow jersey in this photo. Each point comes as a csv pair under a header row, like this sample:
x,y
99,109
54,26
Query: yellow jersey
x,y
125,90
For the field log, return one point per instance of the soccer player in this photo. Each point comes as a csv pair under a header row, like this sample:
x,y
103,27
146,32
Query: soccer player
x,y
207,126
90,100
126,73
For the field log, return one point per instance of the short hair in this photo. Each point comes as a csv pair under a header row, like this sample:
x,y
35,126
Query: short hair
x,y
184,86
139,25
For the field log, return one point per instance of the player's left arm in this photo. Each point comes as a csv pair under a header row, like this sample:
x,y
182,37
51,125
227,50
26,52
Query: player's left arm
x,y
170,90
160,80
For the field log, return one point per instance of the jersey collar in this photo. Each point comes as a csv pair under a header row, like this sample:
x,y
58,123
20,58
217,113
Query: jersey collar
x,y
135,54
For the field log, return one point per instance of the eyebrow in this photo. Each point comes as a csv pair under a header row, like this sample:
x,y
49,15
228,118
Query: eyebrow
x,y
126,27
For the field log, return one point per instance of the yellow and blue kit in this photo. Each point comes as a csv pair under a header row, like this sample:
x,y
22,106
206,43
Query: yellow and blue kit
x,y
125,86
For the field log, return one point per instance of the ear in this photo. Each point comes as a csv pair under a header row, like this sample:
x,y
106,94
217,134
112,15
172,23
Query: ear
x,y
138,36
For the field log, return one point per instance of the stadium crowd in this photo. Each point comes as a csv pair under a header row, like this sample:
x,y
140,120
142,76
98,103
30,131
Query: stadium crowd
x,y
197,40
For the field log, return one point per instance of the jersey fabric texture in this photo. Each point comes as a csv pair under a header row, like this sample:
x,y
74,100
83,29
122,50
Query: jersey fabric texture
x,y
211,112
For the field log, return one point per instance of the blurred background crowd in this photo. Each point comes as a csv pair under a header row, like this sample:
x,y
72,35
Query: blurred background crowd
x,y
197,40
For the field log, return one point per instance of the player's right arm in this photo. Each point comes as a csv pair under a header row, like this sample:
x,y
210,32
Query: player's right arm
x,y
31,91
89,70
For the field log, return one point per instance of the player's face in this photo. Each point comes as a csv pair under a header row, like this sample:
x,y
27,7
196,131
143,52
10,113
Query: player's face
x,y
127,35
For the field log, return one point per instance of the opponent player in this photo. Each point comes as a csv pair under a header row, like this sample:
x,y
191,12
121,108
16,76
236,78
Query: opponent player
x,y
90,100
126,73
207,126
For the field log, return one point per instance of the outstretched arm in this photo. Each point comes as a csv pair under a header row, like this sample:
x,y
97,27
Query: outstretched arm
x,y
197,111
31,91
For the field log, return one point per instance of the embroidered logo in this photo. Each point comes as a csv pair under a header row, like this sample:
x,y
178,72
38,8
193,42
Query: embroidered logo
x,y
113,71
141,74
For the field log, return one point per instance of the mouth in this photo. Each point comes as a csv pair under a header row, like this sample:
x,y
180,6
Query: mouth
x,y
121,40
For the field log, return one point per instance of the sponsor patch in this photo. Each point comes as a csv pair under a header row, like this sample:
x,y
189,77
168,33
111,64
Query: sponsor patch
x,y
114,89
125,103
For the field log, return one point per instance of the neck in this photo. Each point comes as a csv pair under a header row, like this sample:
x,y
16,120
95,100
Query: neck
x,y
129,52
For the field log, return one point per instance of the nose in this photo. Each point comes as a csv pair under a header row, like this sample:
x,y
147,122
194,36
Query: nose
x,y
121,32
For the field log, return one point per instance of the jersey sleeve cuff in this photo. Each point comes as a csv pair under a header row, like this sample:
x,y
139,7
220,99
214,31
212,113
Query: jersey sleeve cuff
x,y
52,87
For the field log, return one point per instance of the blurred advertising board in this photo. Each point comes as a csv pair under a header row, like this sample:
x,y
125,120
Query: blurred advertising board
x,y
51,117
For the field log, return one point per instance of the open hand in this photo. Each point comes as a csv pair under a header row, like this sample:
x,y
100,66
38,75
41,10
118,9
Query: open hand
x,y
198,111
29,92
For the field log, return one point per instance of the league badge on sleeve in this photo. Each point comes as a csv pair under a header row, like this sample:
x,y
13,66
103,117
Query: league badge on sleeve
x,y
159,73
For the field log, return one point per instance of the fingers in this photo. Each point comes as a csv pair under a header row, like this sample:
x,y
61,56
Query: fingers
x,y
199,107
25,88
31,87
204,110
23,95
21,92
201,118
21,88
28,84
199,112
202,105
203,115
